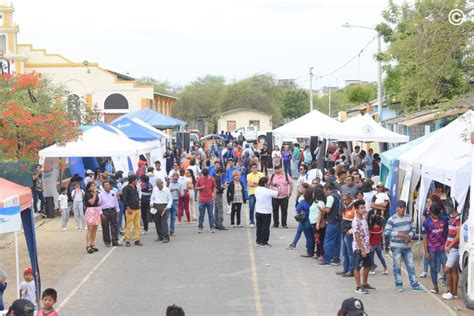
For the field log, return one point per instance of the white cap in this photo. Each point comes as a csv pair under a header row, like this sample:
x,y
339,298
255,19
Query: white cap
x,y
89,171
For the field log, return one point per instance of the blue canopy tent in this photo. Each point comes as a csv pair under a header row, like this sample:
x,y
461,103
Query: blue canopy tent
x,y
135,131
154,119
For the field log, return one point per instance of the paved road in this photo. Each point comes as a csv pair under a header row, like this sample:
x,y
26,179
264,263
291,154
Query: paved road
x,y
222,274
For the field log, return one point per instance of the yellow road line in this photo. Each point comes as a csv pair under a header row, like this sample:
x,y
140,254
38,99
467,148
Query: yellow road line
x,y
253,268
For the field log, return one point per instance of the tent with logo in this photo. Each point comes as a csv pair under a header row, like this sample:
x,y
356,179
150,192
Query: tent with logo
x,y
364,129
155,119
16,210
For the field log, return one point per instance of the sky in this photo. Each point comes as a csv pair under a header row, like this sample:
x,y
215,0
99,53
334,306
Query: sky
x,y
181,40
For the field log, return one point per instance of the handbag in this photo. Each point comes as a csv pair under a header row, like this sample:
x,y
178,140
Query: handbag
x,y
300,217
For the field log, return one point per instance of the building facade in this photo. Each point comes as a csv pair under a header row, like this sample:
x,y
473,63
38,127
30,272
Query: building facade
x,y
233,119
108,92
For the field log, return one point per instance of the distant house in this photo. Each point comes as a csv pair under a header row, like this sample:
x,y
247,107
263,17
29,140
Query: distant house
x,y
241,117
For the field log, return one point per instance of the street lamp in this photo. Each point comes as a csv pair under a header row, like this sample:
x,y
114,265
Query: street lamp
x,y
379,75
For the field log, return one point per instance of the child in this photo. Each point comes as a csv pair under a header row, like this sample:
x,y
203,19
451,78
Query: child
x,y
63,206
375,238
49,298
28,287
78,205
361,247
3,287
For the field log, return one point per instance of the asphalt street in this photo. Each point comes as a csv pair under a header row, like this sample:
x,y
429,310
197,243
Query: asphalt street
x,y
223,274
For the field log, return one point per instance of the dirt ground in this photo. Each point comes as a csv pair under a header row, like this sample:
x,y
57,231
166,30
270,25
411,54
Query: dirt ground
x,y
57,250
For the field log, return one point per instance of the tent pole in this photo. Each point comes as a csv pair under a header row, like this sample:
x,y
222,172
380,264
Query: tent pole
x,y
17,267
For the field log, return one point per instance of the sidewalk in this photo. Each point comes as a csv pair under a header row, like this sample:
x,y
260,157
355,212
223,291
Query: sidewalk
x,y
58,252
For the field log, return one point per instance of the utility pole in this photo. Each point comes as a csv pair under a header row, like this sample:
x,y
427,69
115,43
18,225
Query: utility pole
x,y
329,105
311,89
379,78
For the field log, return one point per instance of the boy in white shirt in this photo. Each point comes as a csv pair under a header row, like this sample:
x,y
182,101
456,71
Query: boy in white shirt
x,y
63,206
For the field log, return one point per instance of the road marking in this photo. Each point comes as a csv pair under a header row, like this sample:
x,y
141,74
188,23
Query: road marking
x,y
253,269
97,266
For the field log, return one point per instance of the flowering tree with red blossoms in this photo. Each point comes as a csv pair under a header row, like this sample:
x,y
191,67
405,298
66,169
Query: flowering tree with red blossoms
x,y
32,116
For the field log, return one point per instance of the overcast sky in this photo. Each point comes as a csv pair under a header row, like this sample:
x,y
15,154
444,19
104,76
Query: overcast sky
x,y
180,40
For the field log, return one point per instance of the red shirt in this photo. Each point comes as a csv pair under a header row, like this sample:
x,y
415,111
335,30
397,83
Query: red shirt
x,y
205,194
375,235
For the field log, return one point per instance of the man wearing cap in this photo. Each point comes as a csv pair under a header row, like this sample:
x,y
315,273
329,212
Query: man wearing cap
x,y
352,307
89,177
142,166
400,229
177,190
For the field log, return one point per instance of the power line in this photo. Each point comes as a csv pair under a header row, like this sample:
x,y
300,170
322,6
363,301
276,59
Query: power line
x,y
349,61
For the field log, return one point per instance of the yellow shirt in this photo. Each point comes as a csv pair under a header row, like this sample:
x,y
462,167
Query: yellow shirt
x,y
253,178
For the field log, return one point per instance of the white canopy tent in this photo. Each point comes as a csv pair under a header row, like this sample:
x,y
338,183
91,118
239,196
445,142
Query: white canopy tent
x,y
365,129
97,142
449,160
314,123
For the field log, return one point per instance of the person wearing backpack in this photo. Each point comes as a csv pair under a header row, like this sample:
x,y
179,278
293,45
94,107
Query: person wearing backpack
x,y
332,239
282,183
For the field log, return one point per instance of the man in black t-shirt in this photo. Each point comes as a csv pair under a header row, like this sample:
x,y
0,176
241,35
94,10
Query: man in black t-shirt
x,y
37,189
264,155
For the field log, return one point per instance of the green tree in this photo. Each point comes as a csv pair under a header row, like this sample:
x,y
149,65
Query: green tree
x,y
360,93
429,60
201,98
295,104
159,86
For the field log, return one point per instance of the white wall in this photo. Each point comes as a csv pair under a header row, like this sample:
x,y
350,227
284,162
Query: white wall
x,y
243,118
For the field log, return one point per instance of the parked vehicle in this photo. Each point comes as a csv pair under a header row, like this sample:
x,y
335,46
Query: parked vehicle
x,y
249,132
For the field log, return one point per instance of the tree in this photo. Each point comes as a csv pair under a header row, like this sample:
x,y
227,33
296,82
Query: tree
x,y
30,117
159,86
360,93
295,104
429,60
201,98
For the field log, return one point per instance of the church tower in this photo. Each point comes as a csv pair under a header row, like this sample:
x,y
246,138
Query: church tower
x,y
10,61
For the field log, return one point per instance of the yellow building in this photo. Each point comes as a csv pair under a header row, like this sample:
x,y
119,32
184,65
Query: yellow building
x,y
107,91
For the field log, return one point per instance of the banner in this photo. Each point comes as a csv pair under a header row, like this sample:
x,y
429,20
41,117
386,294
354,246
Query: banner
x,y
10,219
393,185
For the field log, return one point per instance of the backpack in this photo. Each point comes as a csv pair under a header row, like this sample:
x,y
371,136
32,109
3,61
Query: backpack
x,y
286,177
338,206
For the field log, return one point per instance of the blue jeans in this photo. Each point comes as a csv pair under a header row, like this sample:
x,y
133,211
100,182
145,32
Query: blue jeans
x,y
252,201
287,166
308,234
173,211
407,255
347,252
425,264
332,243
299,230
121,215
296,166
437,259
202,211
377,249
38,195
368,174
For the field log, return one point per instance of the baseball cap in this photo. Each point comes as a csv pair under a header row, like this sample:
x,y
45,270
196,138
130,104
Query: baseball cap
x,y
380,185
89,171
22,307
401,203
175,175
353,307
28,271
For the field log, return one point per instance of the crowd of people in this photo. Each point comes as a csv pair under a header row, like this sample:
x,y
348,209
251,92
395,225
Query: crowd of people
x,y
343,211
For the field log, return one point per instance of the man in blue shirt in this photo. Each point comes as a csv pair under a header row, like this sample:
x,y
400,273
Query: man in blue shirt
x,y
230,168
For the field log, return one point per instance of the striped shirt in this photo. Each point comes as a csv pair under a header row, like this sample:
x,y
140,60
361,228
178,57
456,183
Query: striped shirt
x,y
454,224
397,224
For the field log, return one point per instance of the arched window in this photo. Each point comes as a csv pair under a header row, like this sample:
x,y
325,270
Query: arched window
x,y
116,101
74,107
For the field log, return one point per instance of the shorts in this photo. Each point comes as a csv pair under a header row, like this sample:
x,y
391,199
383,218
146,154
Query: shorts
x,y
453,258
360,261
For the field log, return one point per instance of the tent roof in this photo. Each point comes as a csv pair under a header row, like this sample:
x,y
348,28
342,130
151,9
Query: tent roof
x,y
365,129
135,131
154,118
314,123
149,127
10,189
96,142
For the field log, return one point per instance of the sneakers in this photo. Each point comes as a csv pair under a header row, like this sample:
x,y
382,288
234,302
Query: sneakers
x,y
127,244
138,243
306,255
233,226
348,275
144,232
199,230
368,286
291,247
400,288
361,290
166,241
260,245
335,264
64,229
340,272
173,234
324,264
252,225
212,231
372,272
385,272
423,274
434,291
77,228
267,245
240,226
449,296
418,289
